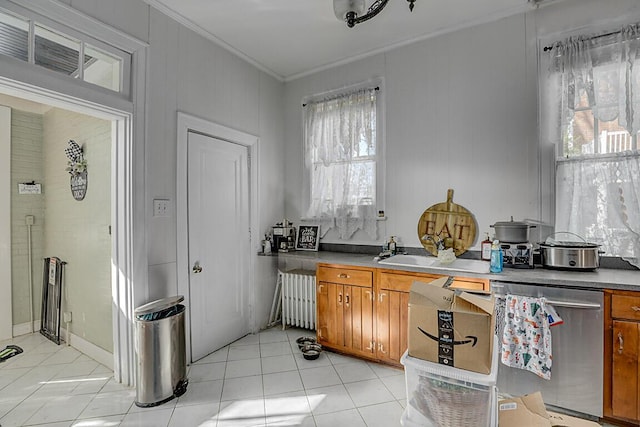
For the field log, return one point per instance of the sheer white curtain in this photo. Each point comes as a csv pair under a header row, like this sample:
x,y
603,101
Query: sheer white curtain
x,y
597,182
341,158
600,200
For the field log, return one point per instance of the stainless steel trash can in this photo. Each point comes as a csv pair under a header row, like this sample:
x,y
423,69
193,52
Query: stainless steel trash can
x,y
160,346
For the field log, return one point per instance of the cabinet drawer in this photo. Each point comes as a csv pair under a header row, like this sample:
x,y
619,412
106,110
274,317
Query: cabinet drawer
x,y
471,284
402,282
345,276
625,307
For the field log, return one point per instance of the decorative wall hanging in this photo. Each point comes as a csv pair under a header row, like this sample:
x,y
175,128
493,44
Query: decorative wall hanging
x,y
77,168
308,238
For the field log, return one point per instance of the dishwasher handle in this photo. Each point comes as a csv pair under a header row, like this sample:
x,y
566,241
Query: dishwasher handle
x,y
588,305
566,304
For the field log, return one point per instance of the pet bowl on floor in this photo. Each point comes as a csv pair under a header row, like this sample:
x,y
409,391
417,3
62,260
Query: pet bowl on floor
x,y
302,341
311,351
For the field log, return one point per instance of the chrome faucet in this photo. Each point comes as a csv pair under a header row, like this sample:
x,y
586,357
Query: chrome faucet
x,y
438,243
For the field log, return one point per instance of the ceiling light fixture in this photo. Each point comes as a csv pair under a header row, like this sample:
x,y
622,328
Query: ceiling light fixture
x,y
352,11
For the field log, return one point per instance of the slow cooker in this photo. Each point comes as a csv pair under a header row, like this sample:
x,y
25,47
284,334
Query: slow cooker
x,y
580,256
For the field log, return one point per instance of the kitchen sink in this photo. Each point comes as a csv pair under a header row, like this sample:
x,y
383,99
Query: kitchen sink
x,y
421,261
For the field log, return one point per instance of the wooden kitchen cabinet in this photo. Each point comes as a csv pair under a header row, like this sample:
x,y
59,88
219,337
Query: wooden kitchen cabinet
x,y
365,312
392,308
345,309
622,364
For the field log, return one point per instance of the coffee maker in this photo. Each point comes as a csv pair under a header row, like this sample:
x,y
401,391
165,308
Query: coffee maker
x,y
284,236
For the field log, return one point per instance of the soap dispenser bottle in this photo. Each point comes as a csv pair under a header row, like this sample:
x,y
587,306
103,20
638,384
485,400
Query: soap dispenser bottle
x,y
496,257
485,248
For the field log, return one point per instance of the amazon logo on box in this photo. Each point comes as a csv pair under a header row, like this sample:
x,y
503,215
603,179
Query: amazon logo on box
x,y
451,328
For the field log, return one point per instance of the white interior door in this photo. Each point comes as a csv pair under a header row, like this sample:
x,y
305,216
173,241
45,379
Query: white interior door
x,y
219,242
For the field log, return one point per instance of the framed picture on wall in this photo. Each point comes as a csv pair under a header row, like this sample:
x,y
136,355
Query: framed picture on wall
x,y
308,238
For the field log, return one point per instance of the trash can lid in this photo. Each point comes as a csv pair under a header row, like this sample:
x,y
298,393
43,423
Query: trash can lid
x,y
158,305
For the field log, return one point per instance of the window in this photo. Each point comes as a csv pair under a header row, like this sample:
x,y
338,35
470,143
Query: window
x,y
14,37
342,159
64,51
591,110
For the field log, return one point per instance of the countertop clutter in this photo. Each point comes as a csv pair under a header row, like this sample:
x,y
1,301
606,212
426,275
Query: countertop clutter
x,y
602,278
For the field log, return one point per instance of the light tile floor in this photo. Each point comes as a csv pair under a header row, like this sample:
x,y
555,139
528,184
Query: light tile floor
x,y
260,380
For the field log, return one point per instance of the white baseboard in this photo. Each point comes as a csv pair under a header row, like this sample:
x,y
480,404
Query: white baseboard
x,y
93,351
23,328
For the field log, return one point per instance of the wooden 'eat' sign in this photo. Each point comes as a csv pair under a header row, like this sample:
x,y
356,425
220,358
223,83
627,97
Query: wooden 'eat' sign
x,y
450,223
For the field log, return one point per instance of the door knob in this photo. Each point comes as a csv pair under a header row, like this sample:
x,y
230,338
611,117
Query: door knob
x,y
196,268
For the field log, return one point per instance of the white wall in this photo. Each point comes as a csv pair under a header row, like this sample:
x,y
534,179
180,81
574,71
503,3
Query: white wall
x,y
461,113
190,74
26,166
78,232
6,321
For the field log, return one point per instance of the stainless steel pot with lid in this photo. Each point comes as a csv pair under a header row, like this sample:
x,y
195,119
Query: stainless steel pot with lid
x,y
512,231
570,255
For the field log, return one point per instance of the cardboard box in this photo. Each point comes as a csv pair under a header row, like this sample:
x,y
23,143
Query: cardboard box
x,y
529,410
562,420
451,328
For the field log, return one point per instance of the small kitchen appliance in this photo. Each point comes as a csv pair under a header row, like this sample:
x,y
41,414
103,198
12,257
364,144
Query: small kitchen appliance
x,y
570,255
517,255
512,231
284,236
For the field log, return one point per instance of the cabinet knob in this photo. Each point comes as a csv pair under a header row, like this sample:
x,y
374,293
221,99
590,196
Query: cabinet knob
x,y
339,298
196,268
343,276
635,308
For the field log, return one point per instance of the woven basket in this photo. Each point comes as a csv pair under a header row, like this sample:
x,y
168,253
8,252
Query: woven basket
x,y
457,407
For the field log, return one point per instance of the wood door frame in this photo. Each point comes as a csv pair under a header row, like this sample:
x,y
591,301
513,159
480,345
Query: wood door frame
x,y
189,123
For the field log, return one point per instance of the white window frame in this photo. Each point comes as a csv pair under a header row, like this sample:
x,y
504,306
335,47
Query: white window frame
x,y
43,21
380,144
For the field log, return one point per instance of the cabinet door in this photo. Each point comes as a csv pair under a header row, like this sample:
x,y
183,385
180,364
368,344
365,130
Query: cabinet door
x,y
329,301
392,322
624,386
358,319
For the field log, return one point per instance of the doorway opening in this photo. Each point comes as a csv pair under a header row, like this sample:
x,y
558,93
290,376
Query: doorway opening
x,y
125,110
115,233
46,220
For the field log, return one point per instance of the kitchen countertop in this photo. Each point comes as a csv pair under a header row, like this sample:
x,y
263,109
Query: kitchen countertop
x,y
602,278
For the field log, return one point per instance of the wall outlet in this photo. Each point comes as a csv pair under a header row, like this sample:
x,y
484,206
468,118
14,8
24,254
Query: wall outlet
x,y
66,316
160,207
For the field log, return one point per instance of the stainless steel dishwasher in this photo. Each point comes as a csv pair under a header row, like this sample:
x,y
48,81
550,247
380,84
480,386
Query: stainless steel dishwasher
x,y
577,349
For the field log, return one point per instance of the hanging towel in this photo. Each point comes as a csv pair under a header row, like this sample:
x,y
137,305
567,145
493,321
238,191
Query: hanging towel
x,y
526,340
